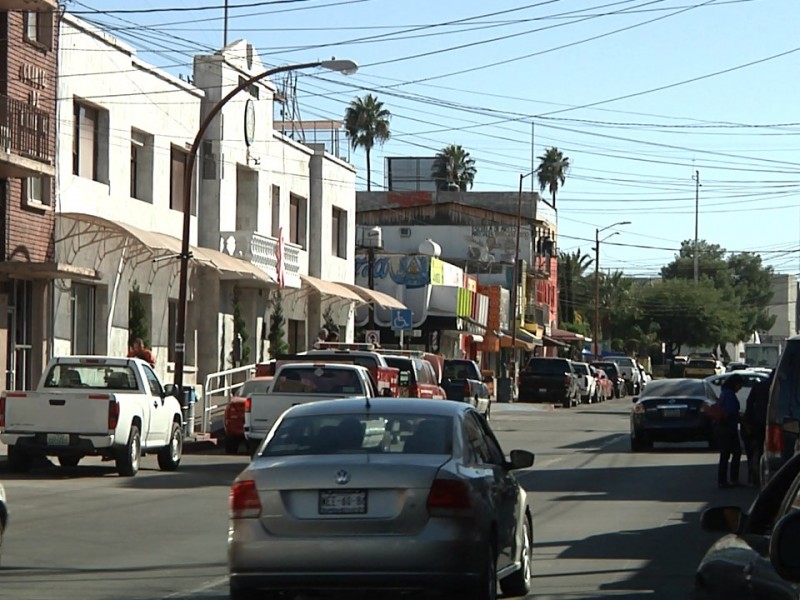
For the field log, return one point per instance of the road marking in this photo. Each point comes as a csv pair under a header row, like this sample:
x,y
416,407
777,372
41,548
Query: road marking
x,y
199,590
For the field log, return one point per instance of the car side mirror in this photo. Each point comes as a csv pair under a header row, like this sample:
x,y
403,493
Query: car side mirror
x,y
170,389
722,519
520,459
784,552
635,399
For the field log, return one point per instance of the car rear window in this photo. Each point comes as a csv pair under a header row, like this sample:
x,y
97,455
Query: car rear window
x,y
701,364
407,375
679,388
550,366
317,380
254,386
372,432
91,376
458,369
581,368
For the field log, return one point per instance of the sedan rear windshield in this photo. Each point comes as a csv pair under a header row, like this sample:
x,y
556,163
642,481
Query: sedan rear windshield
x,y
373,432
679,388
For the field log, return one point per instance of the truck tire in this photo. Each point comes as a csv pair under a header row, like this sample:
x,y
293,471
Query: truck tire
x,y
128,457
232,444
19,461
169,457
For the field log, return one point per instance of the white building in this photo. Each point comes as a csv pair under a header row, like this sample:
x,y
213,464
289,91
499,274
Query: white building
x,y
784,306
125,131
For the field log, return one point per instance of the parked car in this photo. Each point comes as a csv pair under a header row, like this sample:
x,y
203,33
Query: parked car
x,y
749,378
736,366
233,420
757,559
629,369
462,381
783,413
3,517
587,384
549,379
417,379
671,410
402,494
605,387
701,367
615,375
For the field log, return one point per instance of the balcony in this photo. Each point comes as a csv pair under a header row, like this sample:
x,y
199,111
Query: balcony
x,y
24,140
28,4
536,313
262,251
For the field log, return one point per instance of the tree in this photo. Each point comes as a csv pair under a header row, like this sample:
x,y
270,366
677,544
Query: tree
x,y
572,269
366,122
453,166
240,326
137,316
552,171
327,318
277,336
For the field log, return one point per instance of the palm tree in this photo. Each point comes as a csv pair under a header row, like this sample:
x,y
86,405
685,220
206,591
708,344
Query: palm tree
x,y
572,269
453,166
552,171
367,122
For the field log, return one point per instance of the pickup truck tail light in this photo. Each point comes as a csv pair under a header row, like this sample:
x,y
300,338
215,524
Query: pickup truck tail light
x,y
113,414
774,441
243,500
413,390
448,497
248,405
566,379
466,389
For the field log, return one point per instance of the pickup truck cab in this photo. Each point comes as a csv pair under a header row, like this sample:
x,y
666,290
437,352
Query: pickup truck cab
x,y
385,378
93,406
300,383
463,382
549,379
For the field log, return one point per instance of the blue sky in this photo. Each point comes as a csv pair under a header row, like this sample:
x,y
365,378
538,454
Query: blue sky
x,y
639,94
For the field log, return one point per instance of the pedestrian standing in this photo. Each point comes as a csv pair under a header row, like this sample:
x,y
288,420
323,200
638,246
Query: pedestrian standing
x,y
322,336
726,431
139,350
754,427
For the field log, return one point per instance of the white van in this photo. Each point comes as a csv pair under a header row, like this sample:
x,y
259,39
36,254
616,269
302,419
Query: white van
x,y
630,373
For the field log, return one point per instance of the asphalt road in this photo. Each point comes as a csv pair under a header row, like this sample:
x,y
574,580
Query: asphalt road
x,y
607,523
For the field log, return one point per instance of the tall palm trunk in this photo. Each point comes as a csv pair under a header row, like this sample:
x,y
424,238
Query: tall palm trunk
x,y
369,172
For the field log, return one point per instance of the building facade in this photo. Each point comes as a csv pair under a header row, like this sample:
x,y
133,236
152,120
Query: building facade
x,y
784,306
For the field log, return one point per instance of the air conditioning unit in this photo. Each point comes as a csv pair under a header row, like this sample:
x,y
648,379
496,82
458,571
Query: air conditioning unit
x,y
405,232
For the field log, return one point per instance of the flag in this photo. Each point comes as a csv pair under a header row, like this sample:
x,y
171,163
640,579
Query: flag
x,y
280,266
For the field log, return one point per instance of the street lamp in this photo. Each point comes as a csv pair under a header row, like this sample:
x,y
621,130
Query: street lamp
x,y
348,67
597,240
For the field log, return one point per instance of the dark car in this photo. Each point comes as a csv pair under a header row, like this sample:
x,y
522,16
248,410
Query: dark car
x,y
752,560
549,379
783,412
462,381
672,410
611,369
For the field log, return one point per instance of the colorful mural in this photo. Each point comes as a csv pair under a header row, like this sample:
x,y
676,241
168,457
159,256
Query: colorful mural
x,y
410,271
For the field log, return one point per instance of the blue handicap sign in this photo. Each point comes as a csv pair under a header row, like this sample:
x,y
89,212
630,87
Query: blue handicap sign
x,y
401,319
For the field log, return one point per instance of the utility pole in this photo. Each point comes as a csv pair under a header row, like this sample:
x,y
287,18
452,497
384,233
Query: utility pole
x,y
596,332
696,225
225,26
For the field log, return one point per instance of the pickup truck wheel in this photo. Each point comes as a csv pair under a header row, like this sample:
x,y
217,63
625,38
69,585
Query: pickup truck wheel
x,y
232,444
169,457
19,461
69,461
128,458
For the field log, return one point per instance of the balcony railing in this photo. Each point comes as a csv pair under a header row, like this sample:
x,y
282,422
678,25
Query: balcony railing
x,y
24,130
262,251
28,5
536,313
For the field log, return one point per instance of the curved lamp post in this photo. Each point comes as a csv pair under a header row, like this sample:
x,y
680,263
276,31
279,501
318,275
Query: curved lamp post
x,y
348,67
597,240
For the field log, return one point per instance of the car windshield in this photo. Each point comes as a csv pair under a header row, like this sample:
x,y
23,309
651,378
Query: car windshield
x,y
678,388
548,365
372,432
92,376
581,368
622,361
702,364
254,386
317,380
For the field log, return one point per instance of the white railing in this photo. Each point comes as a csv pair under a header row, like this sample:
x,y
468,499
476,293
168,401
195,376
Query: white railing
x,y
217,389
262,251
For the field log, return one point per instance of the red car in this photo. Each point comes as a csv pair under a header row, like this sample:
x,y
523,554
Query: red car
x,y
234,411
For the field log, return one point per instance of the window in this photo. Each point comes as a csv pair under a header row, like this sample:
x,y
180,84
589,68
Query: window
x,y
276,210
177,173
339,233
152,381
85,142
82,298
39,29
297,220
141,166
295,335
36,191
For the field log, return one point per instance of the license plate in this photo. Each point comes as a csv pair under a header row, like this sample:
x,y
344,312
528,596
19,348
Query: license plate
x,y
542,390
671,412
335,502
58,439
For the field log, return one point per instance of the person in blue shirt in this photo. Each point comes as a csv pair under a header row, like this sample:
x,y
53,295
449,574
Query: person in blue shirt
x,y
727,433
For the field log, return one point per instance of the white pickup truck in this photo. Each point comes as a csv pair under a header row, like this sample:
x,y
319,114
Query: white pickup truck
x,y
93,406
300,383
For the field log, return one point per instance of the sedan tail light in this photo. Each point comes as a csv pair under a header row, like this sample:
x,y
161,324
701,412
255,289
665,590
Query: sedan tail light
x,y
774,441
448,497
113,414
243,501
638,408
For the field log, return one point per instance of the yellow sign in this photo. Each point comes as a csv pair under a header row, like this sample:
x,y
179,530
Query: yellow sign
x,y
437,271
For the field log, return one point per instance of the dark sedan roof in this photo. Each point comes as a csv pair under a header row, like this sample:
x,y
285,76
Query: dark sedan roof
x,y
394,405
676,388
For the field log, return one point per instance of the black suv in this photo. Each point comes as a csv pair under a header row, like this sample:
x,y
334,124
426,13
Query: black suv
x,y
549,379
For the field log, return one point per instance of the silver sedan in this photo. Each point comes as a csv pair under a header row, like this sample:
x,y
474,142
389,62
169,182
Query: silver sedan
x,y
382,494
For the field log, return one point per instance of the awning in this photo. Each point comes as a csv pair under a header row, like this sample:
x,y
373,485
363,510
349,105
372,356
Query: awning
x,y
524,339
566,336
548,341
149,245
381,299
47,270
329,288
